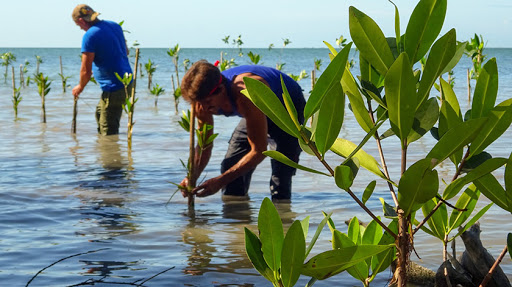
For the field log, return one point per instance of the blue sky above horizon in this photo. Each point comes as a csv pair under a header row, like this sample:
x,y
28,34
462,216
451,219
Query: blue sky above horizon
x,y
203,24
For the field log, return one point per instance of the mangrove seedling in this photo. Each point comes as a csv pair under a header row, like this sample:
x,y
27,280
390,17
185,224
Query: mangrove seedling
x,y
16,99
129,105
39,61
279,66
186,64
16,95
255,58
7,58
474,50
174,53
302,75
150,69
63,78
23,71
43,88
205,138
157,91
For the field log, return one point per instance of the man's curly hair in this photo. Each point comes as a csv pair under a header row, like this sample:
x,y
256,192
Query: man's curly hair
x,y
199,81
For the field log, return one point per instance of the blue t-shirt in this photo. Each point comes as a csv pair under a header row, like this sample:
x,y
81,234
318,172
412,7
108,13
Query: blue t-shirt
x,y
106,40
273,78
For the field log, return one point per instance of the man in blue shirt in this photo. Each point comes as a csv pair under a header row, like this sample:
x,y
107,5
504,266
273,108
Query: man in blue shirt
x,y
104,53
216,93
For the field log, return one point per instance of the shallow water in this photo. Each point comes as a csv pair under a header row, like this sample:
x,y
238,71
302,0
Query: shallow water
x,y
98,210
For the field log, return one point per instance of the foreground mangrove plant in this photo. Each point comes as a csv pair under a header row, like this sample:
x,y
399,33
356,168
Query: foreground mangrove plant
x,y
389,90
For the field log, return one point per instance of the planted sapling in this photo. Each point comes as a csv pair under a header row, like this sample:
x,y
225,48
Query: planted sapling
x,y
16,95
7,58
205,139
150,69
43,88
157,91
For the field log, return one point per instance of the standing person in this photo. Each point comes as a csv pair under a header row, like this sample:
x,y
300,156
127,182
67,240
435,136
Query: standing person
x,y
104,51
216,93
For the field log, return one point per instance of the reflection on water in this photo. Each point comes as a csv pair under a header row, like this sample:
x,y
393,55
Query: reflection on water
x,y
103,194
106,268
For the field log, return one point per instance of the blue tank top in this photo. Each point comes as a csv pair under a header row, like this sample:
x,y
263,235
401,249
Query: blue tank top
x,y
272,77
106,40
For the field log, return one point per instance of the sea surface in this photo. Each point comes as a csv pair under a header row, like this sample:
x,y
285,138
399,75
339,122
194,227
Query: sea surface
x,y
82,209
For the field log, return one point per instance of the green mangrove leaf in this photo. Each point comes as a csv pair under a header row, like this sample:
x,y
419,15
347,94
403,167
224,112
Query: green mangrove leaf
x,y
331,76
348,82
450,109
467,200
290,107
450,116
438,221
425,118
333,51
344,148
341,240
455,139
263,98
485,168
344,177
330,223
372,233
461,47
282,158
387,134
388,210
508,175
359,270
317,233
423,28
383,260
418,184
473,220
359,109
440,55
401,96
271,234
368,191
354,230
509,244
305,226
377,98
305,147
293,254
397,25
370,40
486,90
253,249
330,118
500,118
492,189
369,74
332,262
475,161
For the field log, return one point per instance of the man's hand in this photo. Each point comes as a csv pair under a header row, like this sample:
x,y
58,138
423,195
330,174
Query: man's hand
x,y
77,90
184,184
208,187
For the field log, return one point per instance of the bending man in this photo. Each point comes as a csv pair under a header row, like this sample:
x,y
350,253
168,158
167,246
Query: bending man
x,y
216,93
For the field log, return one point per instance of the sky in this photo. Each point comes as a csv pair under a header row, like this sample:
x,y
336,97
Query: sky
x,y
204,23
